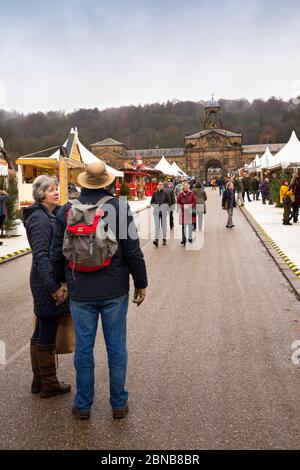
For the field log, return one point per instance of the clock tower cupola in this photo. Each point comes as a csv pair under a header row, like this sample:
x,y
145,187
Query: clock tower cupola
x,y
213,115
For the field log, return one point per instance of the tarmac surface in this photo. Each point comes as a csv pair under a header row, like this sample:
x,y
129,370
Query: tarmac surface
x,y
210,355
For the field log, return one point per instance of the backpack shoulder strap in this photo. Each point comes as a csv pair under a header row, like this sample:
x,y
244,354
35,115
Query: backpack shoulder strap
x,y
75,202
104,200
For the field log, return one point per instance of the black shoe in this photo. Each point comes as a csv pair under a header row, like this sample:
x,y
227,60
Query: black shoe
x,y
164,242
1,243
81,414
232,226
183,242
228,226
190,240
155,243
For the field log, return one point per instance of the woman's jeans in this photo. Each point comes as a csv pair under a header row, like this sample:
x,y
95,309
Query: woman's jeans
x,y
45,330
85,315
230,217
187,228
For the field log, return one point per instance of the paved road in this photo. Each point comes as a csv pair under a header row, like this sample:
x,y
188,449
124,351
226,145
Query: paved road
x,y
209,355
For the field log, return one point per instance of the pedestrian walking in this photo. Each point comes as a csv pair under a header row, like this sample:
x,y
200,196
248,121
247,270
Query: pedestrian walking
x,y
178,189
47,292
286,199
255,188
214,185
246,187
222,185
229,203
168,189
99,289
295,186
3,210
160,203
187,206
238,186
201,198
265,190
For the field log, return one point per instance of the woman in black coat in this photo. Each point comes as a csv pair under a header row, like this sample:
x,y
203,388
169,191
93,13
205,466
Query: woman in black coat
x,y
48,295
229,203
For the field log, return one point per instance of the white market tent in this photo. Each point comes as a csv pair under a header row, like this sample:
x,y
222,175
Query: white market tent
x,y
179,171
165,167
89,157
289,155
257,161
266,160
86,155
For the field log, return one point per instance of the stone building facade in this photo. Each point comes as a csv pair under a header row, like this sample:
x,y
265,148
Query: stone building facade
x,y
212,147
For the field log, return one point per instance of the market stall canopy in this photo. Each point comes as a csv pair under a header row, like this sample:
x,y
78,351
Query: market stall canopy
x,y
290,154
257,161
72,149
165,167
266,160
89,157
3,167
179,171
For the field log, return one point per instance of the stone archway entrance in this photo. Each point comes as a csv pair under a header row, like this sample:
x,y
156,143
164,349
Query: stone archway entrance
x,y
214,170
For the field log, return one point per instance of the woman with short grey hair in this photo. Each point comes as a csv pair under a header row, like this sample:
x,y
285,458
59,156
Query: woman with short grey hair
x,y
40,186
48,294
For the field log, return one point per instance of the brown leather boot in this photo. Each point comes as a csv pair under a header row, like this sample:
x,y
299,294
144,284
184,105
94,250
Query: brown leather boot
x,y
36,381
50,386
120,413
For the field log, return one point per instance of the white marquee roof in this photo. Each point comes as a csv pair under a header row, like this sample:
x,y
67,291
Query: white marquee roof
x,y
289,155
177,168
86,156
266,160
165,167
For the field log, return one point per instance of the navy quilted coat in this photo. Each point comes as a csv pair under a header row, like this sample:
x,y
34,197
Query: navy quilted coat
x,y
39,223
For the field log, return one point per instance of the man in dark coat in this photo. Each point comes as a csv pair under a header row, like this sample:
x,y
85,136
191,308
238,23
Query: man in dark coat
x,y
160,203
255,188
295,186
168,188
246,187
102,293
3,211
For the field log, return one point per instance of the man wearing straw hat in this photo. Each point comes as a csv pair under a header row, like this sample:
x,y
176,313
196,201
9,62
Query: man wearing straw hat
x,y
103,292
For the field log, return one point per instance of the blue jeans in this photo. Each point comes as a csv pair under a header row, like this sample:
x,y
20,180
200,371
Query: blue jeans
x,y
113,317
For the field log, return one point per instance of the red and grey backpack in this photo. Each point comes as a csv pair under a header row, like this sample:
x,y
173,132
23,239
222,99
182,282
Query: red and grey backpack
x,y
89,244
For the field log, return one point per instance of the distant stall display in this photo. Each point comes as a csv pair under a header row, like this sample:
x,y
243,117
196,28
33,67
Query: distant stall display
x,y
141,180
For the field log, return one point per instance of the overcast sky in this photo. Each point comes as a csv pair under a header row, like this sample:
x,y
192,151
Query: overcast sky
x,y
103,53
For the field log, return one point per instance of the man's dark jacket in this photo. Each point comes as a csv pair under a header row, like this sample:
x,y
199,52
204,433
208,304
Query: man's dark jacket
x,y
160,198
110,282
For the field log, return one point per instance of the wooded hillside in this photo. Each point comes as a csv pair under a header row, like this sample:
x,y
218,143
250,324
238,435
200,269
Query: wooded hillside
x,y
146,126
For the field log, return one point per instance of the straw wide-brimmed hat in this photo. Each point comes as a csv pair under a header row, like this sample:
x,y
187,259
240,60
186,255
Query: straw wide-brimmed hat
x,y
95,176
